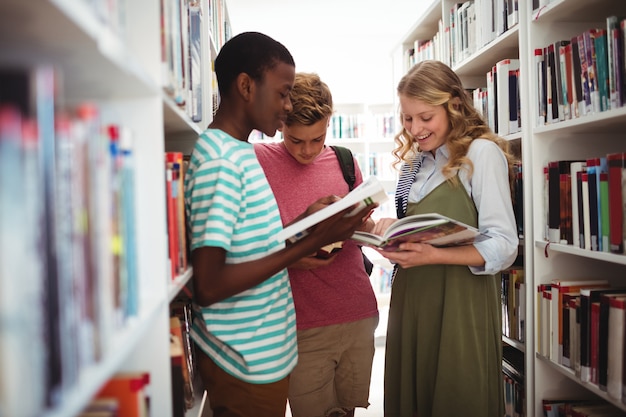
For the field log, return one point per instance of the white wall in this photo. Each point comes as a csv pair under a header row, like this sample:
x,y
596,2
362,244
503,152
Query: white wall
x,y
347,42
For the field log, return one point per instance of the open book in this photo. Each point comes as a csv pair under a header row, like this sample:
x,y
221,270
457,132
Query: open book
x,y
369,191
432,228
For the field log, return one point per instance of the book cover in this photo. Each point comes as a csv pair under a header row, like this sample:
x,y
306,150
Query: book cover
x,y
604,212
540,68
369,191
603,337
593,176
129,389
584,179
558,93
546,321
431,228
615,346
565,65
599,39
578,107
171,190
613,67
592,70
575,169
506,99
584,74
555,205
594,337
196,71
565,225
617,163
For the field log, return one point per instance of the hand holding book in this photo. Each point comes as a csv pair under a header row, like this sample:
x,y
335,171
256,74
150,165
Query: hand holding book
x,y
432,228
369,192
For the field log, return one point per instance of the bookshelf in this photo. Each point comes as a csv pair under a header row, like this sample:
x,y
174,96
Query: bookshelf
x,y
368,131
107,55
539,23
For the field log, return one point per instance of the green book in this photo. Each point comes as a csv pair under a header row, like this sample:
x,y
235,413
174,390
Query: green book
x,y
604,212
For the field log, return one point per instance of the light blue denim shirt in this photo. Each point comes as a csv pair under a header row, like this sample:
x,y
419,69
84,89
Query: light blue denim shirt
x,y
489,189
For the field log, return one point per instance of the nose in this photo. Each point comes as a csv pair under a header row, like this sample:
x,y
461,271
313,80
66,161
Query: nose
x,y
413,127
288,105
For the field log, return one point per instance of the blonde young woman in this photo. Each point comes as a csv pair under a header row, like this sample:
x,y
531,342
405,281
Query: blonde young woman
x,y
443,354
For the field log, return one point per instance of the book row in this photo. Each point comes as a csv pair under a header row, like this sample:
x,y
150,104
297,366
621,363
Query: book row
x,y
513,375
584,202
182,356
513,304
581,326
583,74
68,274
185,53
499,102
125,394
178,253
352,126
570,407
469,26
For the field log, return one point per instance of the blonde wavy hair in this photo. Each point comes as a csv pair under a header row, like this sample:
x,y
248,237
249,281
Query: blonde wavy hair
x,y
435,84
311,100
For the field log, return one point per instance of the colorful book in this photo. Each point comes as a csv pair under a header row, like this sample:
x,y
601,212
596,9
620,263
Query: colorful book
x,y
432,228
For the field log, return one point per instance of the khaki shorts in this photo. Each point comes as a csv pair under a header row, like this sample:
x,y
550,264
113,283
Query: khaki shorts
x,y
231,397
334,368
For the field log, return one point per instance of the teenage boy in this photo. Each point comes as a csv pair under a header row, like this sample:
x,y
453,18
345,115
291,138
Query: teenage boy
x,y
245,320
336,307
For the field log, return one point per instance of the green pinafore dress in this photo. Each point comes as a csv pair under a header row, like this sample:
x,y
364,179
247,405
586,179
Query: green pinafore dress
x,y
444,343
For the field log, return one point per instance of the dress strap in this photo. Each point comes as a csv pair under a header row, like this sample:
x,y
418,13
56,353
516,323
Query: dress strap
x,y
408,172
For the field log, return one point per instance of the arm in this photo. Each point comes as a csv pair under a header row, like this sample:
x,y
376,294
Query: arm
x,y
417,254
214,280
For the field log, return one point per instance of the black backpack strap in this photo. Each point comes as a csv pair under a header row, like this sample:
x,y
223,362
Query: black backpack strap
x,y
346,161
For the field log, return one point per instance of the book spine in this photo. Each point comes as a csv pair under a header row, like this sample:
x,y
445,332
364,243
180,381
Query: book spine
x,y
592,175
604,211
616,165
554,207
541,98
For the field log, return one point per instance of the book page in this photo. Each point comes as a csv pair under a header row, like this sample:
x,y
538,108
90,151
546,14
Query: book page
x,y
369,191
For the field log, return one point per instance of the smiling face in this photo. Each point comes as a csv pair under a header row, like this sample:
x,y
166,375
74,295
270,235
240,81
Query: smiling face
x,y
271,98
429,125
305,143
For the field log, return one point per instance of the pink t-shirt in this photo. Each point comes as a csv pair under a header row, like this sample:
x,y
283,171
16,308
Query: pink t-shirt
x,y
340,292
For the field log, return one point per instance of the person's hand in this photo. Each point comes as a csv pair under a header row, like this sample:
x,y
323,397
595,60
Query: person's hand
x,y
320,204
411,254
312,262
338,227
382,225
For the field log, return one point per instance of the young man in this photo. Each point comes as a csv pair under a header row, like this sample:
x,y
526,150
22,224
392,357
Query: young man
x,y
245,320
336,308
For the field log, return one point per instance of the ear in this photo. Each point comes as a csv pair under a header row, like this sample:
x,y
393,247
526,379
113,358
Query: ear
x,y
245,86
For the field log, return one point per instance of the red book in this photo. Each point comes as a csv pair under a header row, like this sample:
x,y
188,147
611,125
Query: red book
x,y
594,340
128,389
172,224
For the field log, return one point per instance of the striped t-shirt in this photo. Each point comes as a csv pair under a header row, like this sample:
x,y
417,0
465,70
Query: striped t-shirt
x,y
230,205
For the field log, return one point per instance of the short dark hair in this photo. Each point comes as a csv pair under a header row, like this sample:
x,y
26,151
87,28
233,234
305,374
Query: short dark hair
x,y
252,53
